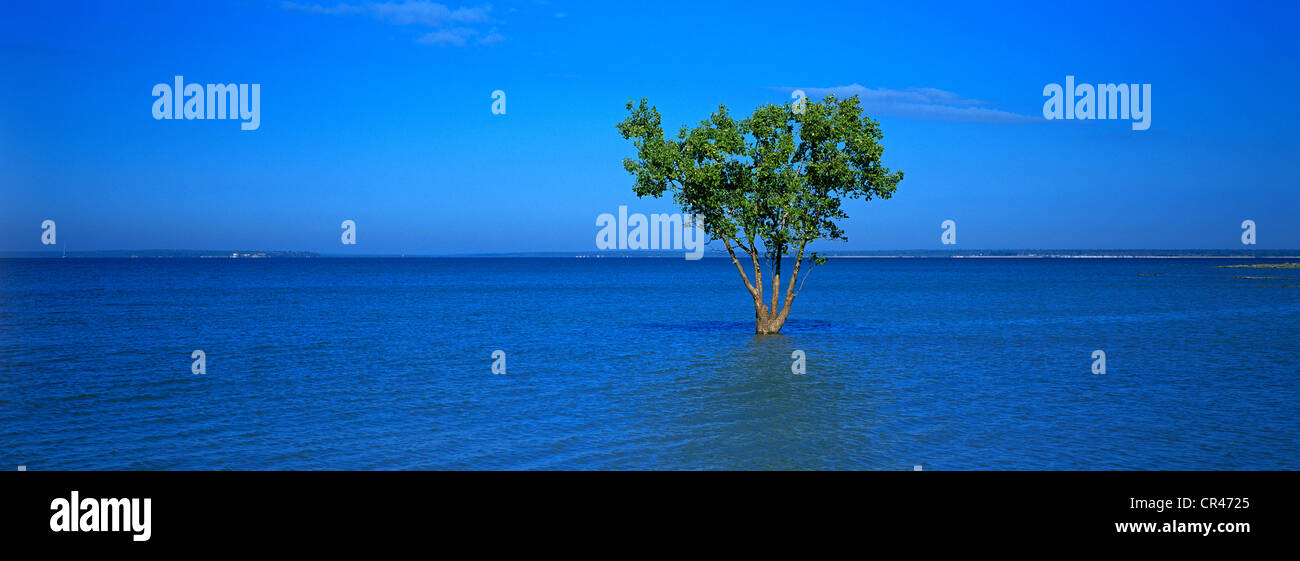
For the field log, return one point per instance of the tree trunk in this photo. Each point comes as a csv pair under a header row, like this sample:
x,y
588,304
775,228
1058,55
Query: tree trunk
x,y
767,324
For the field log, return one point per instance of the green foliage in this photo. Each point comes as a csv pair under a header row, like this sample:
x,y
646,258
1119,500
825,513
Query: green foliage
x,y
779,177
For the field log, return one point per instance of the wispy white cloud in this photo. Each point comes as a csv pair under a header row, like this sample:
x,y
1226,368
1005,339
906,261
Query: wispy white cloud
x,y
427,13
459,37
447,37
492,38
918,103
318,9
417,13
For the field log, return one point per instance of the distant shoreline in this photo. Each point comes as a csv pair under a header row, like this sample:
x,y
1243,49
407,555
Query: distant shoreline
x,y
886,254
1295,255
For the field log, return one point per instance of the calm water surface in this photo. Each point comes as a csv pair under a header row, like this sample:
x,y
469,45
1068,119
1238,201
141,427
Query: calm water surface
x,y
646,364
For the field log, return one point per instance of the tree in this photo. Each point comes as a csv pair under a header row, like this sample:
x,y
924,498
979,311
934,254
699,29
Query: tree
x,y
767,185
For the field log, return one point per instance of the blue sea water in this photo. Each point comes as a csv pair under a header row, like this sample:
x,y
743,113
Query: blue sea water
x,y
950,364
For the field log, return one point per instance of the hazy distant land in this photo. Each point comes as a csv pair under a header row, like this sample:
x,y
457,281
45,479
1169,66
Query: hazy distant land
x,y
153,253
1263,266
906,253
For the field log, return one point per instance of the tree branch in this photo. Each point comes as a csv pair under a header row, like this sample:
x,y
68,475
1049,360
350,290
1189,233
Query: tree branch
x,y
794,276
752,291
776,277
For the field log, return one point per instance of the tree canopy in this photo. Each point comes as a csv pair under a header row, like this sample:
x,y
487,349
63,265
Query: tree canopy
x,y
767,185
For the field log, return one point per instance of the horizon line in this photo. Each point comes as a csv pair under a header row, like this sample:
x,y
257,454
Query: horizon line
x,y
653,254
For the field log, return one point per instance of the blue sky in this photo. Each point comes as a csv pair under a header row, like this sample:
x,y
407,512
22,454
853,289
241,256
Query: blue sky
x,y
380,113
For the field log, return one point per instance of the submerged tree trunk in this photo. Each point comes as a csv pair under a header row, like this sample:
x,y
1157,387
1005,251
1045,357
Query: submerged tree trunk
x,y
767,321
767,325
